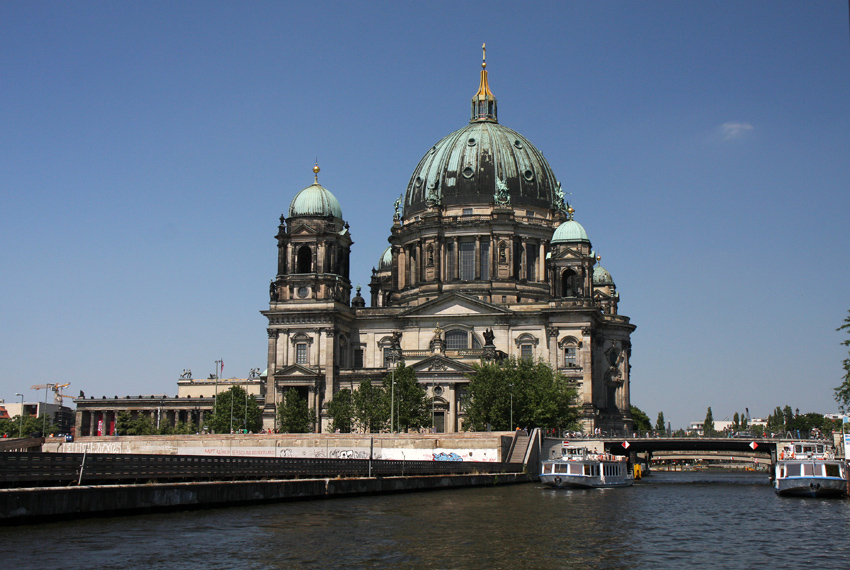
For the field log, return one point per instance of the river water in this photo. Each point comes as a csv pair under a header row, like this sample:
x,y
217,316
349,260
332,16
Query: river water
x,y
668,520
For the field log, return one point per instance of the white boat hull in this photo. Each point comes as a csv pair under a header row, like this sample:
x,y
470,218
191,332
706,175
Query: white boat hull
x,y
810,478
564,481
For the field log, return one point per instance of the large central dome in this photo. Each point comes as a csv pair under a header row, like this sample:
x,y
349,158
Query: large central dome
x,y
465,166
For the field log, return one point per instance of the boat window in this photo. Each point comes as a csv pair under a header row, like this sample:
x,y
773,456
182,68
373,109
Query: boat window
x,y
808,469
575,469
793,470
798,448
832,470
820,449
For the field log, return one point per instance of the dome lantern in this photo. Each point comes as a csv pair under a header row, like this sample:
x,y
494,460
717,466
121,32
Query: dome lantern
x,y
484,102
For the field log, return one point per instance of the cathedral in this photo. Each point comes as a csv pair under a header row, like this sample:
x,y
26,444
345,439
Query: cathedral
x,y
485,261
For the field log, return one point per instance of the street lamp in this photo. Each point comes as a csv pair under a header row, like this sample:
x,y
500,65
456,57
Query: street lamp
x,y
511,386
21,416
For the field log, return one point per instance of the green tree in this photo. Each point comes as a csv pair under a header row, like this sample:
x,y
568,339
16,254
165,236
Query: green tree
x,y
788,416
341,411
533,393
235,409
708,424
140,424
736,422
371,407
660,426
842,392
640,419
294,415
411,406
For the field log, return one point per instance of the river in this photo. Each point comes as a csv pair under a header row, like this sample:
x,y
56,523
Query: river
x,y
668,520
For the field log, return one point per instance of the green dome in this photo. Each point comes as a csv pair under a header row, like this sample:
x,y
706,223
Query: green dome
x,y
386,262
570,231
601,276
315,200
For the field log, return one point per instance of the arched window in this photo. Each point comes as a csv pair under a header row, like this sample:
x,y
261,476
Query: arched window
x,y
569,281
457,340
304,262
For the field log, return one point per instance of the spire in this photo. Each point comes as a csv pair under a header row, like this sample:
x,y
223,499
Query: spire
x,y
484,102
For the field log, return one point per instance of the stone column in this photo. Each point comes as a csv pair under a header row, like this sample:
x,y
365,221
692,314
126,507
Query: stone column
x,y
552,333
456,254
329,365
523,259
541,262
451,412
478,257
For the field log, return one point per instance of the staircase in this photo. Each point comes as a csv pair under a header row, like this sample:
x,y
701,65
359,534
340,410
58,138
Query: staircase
x,y
519,447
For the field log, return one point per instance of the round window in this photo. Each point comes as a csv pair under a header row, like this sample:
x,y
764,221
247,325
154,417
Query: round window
x,y
528,175
518,143
468,172
471,142
438,390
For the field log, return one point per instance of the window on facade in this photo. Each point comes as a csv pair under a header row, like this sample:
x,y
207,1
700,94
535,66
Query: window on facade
x,y
531,262
467,211
305,259
475,342
467,261
457,340
570,356
388,356
569,282
358,358
485,260
301,353
450,261
526,352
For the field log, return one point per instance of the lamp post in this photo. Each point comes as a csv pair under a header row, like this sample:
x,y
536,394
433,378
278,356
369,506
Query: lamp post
x,y
21,416
511,386
44,413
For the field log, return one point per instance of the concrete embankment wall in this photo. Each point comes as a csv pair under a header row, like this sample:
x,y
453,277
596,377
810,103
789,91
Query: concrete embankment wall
x,y
477,446
29,505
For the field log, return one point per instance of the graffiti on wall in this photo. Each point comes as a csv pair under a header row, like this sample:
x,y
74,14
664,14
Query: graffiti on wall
x,y
452,456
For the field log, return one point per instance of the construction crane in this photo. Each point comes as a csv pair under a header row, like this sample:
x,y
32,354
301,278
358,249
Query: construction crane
x,y
57,395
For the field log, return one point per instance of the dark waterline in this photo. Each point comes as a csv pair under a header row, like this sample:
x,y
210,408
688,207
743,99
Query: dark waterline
x,y
669,520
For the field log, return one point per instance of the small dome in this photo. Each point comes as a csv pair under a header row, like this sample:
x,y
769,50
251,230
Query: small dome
x,y
315,200
601,276
570,231
386,261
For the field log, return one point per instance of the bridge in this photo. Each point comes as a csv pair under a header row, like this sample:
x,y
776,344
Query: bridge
x,y
720,448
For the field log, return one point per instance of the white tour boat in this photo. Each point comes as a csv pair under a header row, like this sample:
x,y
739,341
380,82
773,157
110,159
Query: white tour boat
x,y
809,469
579,468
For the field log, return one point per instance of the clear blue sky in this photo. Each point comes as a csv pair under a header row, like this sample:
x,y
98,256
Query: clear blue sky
x,y
147,150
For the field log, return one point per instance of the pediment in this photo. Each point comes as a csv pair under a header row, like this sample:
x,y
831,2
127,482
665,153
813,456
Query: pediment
x,y
301,230
296,371
452,304
441,364
567,253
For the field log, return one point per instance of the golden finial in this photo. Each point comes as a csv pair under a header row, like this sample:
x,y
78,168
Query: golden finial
x,y
484,56
570,211
316,170
598,259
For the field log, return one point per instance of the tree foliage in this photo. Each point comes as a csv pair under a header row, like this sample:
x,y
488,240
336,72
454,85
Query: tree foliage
x,y
341,411
659,423
28,425
533,393
842,392
293,414
235,409
640,419
708,424
411,406
371,407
